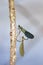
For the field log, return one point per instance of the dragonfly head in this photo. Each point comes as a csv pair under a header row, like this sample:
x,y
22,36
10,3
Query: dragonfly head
x,y
18,26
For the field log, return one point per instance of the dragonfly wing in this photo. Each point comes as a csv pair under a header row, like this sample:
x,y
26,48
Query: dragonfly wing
x,y
29,35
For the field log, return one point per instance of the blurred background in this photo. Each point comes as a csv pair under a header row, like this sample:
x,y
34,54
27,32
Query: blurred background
x,y
4,33
29,14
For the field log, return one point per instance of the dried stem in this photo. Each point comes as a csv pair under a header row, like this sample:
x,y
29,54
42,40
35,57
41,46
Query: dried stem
x,y
12,32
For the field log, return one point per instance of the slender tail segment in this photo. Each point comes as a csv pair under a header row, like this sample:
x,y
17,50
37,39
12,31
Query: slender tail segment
x,y
27,34
22,47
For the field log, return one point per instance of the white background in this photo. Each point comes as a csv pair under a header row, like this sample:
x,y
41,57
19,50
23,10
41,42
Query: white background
x,y
29,14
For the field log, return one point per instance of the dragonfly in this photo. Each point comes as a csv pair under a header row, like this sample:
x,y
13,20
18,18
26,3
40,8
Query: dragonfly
x,y
26,33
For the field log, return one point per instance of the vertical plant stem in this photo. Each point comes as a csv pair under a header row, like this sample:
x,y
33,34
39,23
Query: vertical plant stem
x,y
12,32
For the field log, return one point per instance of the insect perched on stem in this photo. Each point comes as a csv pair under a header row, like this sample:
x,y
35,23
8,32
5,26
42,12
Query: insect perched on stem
x,y
27,34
